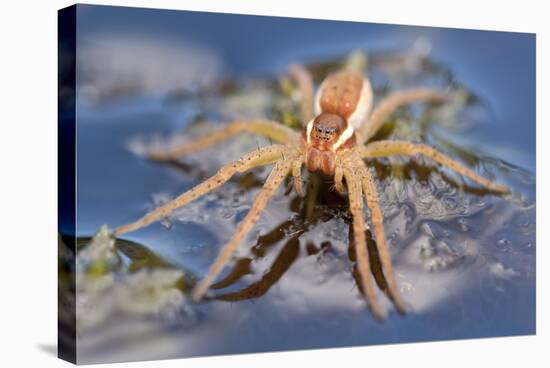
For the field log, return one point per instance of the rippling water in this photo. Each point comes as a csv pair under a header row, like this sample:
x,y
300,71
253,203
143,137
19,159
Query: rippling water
x,y
464,258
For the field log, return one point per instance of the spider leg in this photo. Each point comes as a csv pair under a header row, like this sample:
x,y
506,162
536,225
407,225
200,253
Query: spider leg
x,y
388,105
390,148
363,265
263,156
270,129
297,176
369,189
277,175
339,180
305,85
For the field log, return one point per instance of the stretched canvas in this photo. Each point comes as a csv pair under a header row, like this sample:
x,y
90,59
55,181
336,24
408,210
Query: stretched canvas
x,y
235,184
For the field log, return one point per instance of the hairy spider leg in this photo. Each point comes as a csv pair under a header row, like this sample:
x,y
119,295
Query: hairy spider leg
x,y
391,148
297,175
362,255
376,218
269,129
263,156
302,78
372,124
279,172
339,179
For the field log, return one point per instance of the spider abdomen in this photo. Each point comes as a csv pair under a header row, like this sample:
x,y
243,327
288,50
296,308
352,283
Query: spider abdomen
x,y
347,94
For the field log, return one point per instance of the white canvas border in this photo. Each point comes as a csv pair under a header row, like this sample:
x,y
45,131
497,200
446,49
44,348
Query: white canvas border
x,y
29,113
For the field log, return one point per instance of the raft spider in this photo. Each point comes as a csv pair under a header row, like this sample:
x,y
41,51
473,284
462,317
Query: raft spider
x,y
334,140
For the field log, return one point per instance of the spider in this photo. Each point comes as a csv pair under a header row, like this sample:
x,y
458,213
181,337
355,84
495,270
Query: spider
x,y
337,127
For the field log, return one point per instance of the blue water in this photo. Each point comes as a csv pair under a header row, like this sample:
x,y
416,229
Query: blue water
x,y
114,186
500,66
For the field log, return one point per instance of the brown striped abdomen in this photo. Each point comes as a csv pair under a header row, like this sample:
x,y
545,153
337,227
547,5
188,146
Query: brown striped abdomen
x,y
340,93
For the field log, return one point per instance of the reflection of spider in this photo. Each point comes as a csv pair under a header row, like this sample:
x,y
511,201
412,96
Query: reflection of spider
x,y
333,141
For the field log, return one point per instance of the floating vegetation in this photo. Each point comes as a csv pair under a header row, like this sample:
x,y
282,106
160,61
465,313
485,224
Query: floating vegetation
x,y
125,279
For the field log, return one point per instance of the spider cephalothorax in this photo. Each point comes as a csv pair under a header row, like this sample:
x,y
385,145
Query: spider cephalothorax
x,y
323,136
335,141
